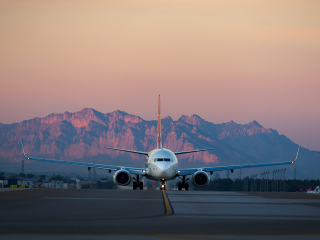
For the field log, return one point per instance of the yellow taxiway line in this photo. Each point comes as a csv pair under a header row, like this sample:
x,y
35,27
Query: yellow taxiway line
x,y
167,204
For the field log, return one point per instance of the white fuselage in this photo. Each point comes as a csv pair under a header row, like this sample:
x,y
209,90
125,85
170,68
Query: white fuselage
x,y
162,164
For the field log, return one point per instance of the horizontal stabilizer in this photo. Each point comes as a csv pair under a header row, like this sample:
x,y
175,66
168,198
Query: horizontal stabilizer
x,y
191,151
130,151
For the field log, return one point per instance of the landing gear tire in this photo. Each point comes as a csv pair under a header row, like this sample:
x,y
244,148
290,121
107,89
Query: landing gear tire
x,y
134,185
141,185
179,186
186,186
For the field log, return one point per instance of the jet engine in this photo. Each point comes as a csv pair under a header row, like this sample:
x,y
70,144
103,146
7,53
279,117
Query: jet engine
x,y
122,177
200,179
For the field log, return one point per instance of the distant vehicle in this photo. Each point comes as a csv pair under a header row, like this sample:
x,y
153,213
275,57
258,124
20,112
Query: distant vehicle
x,y
161,165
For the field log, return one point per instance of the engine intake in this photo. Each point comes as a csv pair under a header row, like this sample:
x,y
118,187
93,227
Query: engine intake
x,y
200,179
122,177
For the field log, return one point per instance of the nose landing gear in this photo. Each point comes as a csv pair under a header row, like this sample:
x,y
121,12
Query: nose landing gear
x,y
163,185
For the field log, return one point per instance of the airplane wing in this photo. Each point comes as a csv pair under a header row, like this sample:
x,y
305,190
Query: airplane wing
x,y
131,151
138,171
191,151
190,171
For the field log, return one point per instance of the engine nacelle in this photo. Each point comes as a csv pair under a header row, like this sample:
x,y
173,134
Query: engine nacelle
x,y
122,177
200,179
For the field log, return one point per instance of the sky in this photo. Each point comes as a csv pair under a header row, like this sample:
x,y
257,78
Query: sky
x,y
223,60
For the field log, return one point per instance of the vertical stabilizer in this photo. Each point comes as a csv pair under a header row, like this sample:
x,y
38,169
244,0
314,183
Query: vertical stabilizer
x,y
159,140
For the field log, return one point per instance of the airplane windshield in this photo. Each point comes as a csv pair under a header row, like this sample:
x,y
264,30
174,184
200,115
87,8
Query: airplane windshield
x,y
162,159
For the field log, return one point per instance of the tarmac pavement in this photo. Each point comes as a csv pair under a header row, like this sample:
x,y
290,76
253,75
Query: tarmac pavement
x,y
121,214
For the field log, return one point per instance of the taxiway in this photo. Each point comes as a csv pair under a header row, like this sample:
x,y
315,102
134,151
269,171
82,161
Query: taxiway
x,y
123,213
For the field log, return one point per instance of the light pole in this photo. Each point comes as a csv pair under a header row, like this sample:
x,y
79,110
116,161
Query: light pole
x,y
265,179
284,179
273,180
267,190
281,179
277,180
275,185
263,182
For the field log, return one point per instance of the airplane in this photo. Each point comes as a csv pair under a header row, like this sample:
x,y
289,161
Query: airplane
x,y
161,165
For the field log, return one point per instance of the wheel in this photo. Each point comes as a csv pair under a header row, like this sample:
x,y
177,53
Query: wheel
x,y
179,186
186,186
134,185
141,185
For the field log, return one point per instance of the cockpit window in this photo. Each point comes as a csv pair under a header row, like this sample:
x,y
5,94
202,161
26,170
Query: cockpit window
x,y
162,159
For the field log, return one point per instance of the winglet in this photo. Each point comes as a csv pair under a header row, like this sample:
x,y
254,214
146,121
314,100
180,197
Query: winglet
x,y
23,150
297,154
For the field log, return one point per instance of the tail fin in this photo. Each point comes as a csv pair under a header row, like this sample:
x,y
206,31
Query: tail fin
x,y
159,140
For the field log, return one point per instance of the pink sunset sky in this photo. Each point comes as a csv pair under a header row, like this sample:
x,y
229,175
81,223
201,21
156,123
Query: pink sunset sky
x,y
223,60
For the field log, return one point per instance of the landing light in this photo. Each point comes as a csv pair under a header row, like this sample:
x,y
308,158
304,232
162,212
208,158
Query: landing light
x,y
292,162
179,171
162,186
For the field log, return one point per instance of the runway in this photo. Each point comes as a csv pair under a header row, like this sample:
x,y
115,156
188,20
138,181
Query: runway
x,y
121,214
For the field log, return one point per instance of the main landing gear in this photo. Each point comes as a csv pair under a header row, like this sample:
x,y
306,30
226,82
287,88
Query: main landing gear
x,y
183,184
137,183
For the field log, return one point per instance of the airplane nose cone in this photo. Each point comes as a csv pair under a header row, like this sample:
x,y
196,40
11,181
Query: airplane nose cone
x,y
164,169
163,165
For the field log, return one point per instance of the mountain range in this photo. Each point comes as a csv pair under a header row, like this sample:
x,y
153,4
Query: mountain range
x,y
83,136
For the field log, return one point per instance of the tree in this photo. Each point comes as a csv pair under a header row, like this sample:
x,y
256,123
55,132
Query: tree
x,y
30,175
57,178
22,175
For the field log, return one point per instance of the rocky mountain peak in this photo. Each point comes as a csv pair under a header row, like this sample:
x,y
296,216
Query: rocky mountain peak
x,y
166,121
118,113
193,119
77,119
254,123
89,111
128,118
231,122
168,118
